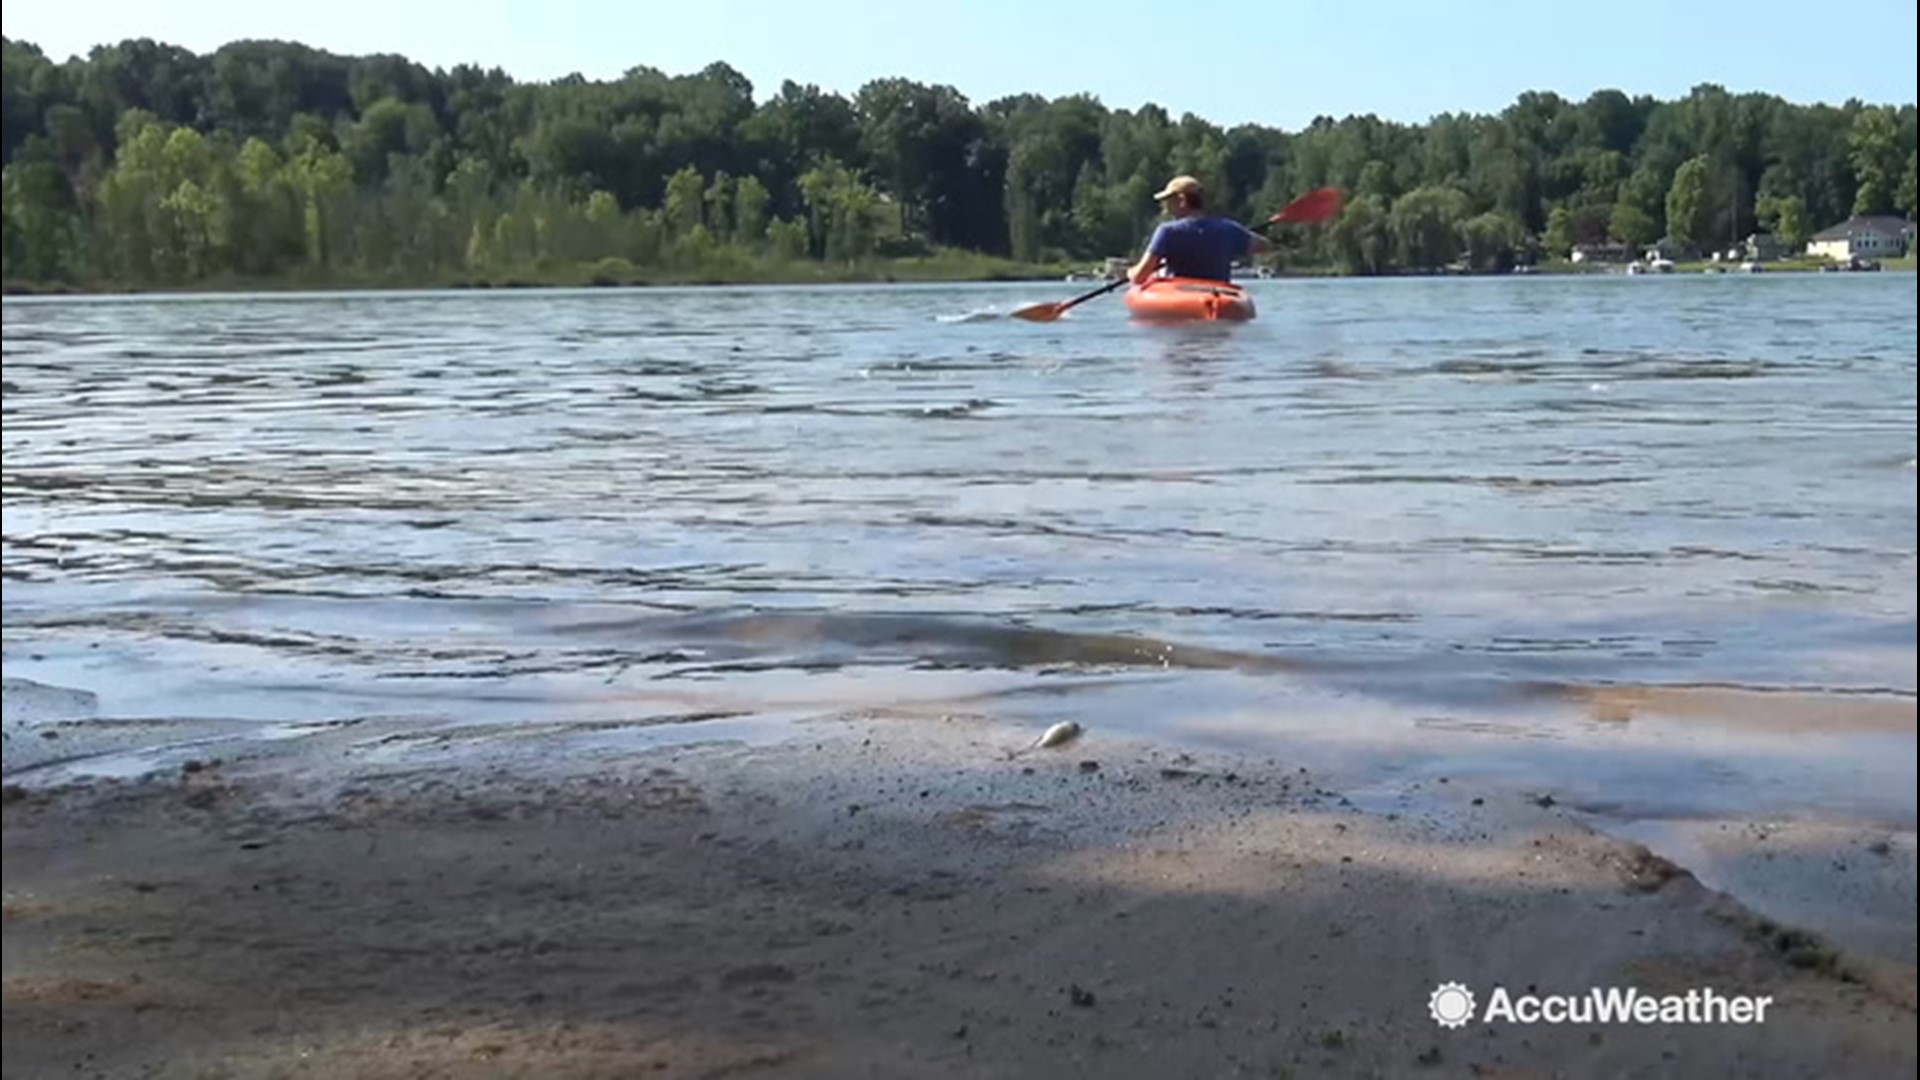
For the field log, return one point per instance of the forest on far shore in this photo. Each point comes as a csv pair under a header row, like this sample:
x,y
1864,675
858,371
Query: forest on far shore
x,y
145,164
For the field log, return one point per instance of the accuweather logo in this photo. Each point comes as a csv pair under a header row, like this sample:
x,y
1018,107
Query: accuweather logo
x,y
1452,1005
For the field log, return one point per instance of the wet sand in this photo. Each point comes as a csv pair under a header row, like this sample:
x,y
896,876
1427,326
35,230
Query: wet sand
x,y
879,895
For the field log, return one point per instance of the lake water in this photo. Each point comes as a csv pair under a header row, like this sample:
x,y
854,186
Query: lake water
x,y
1559,529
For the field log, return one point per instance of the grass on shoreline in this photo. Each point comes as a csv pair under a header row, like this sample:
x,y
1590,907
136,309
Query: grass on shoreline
x,y
949,266
945,266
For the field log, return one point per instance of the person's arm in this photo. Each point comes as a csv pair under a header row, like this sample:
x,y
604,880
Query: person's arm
x,y
1258,244
1150,262
1145,270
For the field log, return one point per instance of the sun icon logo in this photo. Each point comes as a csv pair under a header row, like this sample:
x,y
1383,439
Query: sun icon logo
x,y
1451,1005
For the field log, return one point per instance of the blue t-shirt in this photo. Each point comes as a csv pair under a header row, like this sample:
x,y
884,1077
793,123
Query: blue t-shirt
x,y
1201,247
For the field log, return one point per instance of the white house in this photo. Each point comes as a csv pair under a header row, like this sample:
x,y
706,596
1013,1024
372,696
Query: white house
x,y
1862,238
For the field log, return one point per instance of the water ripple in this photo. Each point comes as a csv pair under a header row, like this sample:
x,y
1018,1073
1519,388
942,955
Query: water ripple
x,y
1433,491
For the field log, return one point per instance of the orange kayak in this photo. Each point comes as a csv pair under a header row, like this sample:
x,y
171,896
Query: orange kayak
x,y
1186,299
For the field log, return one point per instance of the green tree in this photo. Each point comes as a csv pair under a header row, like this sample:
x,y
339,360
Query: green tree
x,y
1687,203
267,229
1559,235
685,199
921,140
788,239
1592,223
162,206
323,182
842,211
193,214
1905,199
1874,150
1786,217
1491,240
479,248
750,201
719,204
1633,226
387,129
41,229
1790,223
697,247
1361,240
603,211
1426,226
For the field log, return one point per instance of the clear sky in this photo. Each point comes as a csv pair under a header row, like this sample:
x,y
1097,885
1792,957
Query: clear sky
x,y
1271,62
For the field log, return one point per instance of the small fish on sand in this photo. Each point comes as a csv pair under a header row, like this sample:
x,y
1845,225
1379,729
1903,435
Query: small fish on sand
x,y
1056,736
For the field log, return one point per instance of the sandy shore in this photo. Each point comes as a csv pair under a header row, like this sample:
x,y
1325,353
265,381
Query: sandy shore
x,y
880,896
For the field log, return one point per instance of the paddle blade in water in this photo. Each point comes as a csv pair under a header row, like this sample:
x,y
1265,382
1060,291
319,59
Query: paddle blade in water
x,y
1038,312
1320,204
1050,312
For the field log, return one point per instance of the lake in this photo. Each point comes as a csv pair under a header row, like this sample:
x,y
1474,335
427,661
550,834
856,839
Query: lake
x,y
1647,541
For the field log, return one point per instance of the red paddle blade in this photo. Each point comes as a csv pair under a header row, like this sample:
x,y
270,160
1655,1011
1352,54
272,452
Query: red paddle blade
x,y
1037,312
1320,204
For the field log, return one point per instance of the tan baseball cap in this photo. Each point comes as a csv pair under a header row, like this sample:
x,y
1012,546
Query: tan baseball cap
x,y
1180,185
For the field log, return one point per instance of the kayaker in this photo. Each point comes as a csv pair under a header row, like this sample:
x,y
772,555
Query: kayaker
x,y
1195,244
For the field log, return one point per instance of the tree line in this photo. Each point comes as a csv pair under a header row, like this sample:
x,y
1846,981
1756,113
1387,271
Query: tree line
x,y
148,163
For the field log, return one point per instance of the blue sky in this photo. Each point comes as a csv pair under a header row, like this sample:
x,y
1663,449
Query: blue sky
x,y
1275,63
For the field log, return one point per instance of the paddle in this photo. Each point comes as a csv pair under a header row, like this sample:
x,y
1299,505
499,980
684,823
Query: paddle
x,y
1047,312
1320,204
1317,205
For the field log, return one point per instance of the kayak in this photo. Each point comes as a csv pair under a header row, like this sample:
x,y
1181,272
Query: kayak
x,y
1186,299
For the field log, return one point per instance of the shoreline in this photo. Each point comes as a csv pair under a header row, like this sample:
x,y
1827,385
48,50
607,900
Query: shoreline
x,y
788,281
907,272
959,271
898,894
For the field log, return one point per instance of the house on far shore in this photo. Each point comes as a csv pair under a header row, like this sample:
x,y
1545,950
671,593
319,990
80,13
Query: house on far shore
x,y
1761,247
1875,237
1667,249
1600,253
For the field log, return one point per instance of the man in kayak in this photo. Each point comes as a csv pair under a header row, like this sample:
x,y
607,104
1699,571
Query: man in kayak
x,y
1194,244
